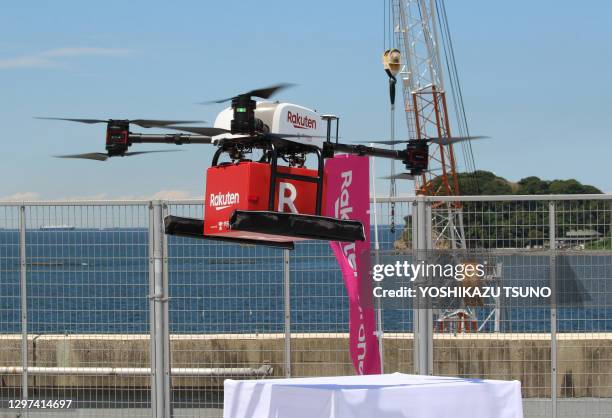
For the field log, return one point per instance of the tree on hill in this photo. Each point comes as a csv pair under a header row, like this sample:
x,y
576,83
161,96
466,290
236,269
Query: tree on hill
x,y
533,185
479,183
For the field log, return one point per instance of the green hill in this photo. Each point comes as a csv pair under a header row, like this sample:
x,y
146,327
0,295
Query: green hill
x,y
487,183
520,224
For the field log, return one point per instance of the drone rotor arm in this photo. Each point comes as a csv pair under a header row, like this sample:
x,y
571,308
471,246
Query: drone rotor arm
x,y
178,139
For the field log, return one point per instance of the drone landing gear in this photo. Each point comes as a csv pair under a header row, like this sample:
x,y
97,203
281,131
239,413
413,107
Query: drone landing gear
x,y
296,226
272,229
194,228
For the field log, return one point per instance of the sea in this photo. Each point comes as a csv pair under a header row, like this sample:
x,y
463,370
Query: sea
x,y
97,281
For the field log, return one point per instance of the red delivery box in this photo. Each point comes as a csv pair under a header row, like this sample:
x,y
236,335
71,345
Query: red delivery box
x,y
246,186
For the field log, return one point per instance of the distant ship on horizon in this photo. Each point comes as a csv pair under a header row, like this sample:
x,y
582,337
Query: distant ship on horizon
x,y
57,227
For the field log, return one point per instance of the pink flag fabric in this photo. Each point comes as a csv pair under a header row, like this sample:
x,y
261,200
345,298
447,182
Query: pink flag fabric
x,y
347,196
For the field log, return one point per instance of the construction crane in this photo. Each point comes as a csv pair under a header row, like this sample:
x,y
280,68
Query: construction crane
x,y
420,30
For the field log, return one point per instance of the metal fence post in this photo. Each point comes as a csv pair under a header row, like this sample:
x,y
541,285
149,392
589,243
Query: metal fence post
x,y
553,308
429,312
378,301
159,363
287,297
166,317
152,339
24,303
422,320
498,307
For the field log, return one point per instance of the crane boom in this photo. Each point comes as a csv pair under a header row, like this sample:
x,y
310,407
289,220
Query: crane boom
x,y
426,110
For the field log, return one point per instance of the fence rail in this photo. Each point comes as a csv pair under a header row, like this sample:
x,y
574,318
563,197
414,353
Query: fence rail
x,y
99,306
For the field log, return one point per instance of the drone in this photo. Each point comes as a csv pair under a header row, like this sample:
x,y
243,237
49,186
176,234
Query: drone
x,y
275,199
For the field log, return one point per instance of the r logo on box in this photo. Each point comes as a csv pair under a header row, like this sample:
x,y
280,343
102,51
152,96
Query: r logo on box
x,y
287,200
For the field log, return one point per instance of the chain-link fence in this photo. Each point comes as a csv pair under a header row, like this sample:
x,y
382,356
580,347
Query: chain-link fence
x,y
76,275
99,307
562,351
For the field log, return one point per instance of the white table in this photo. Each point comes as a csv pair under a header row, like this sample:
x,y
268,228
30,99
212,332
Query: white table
x,y
377,396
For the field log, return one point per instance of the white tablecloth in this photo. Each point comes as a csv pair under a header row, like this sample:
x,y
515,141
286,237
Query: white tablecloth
x,y
381,396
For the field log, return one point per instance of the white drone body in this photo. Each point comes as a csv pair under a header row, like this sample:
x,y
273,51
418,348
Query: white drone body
x,y
280,118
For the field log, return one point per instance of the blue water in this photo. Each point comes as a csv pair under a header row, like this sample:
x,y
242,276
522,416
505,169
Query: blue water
x,y
97,281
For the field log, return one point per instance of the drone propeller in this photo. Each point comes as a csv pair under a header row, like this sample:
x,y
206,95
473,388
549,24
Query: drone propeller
x,y
264,93
200,130
267,92
99,156
400,176
145,123
405,176
438,140
128,154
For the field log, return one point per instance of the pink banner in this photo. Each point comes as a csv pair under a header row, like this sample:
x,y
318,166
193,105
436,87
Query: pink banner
x,y
348,197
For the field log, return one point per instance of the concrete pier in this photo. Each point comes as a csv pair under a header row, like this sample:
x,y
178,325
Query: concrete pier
x,y
584,359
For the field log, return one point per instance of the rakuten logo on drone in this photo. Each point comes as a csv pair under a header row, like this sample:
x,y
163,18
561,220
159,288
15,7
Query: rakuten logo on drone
x,y
301,122
222,201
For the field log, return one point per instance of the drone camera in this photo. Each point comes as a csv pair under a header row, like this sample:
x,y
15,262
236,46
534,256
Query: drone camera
x,y
244,121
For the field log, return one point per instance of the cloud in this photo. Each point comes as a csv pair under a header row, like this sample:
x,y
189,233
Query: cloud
x,y
31,61
99,196
21,196
172,195
53,57
160,195
78,51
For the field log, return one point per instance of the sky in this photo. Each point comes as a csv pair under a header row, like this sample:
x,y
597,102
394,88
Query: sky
x,y
535,78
